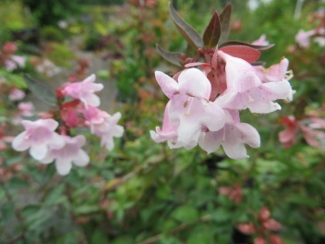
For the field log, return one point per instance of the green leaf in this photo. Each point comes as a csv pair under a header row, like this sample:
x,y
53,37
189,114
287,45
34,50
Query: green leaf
x,y
225,22
99,237
30,210
260,48
121,240
212,32
191,36
13,79
7,212
41,90
186,214
221,215
16,183
86,209
172,57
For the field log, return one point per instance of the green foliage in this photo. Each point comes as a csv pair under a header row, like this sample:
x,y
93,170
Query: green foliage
x,y
143,192
49,12
51,33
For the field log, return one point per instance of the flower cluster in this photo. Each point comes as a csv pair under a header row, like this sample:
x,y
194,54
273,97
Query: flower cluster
x,y
49,141
205,103
207,94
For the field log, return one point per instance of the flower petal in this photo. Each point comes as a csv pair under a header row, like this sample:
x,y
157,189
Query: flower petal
x,y
168,85
38,152
81,159
63,166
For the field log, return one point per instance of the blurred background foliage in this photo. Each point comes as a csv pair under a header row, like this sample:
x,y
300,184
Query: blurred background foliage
x,y
143,192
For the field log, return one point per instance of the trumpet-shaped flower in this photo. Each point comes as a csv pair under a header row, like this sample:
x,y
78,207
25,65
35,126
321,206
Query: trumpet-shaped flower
x,y
70,154
255,89
233,137
84,91
169,133
103,125
189,107
38,137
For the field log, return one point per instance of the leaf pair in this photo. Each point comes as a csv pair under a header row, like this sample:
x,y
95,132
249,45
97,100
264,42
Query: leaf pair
x,y
217,29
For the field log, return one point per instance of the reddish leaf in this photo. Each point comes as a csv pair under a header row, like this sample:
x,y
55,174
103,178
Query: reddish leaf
x,y
191,36
174,58
244,52
225,22
212,32
260,48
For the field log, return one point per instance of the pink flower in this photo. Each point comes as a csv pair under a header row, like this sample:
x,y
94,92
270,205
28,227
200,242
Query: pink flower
x,y
303,37
16,94
94,116
84,91
103,125
70,154
261,41
189,108
233,137
248,88
15,62
38,136
169,133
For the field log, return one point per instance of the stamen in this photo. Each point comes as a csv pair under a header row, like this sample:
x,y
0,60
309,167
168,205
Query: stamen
x,y
188,104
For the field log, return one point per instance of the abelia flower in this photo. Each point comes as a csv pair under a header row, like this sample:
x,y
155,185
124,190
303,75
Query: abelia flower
x,y
70,154
38,136
189,107
94,116
103,125
16,94
84,91
233,137
248,88
169,133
